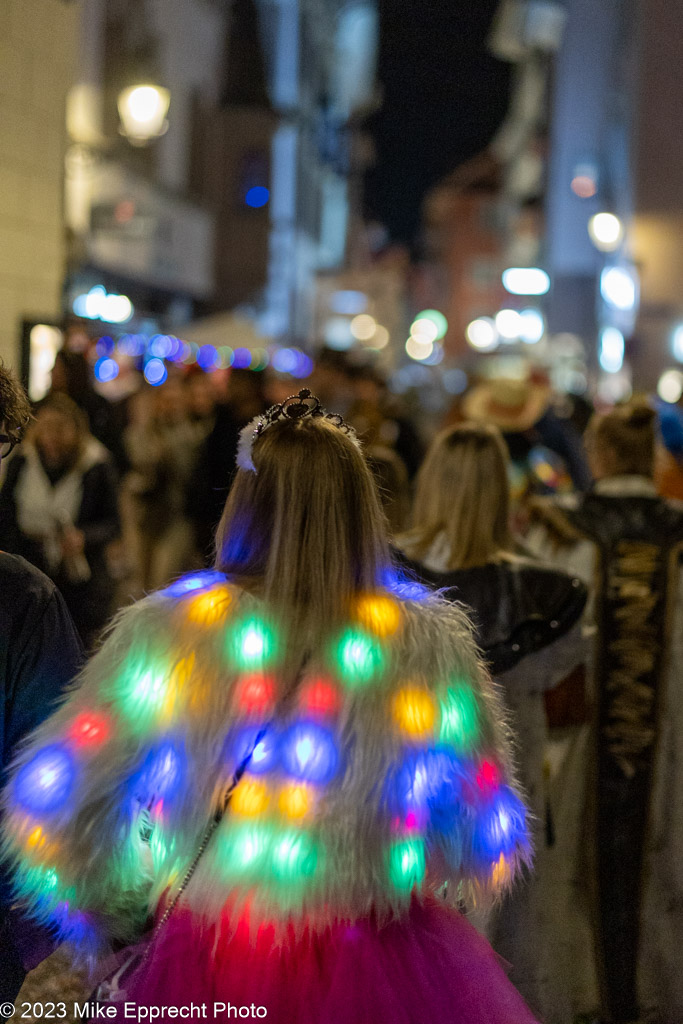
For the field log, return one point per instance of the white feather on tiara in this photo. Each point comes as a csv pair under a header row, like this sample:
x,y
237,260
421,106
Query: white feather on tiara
x,y
293,408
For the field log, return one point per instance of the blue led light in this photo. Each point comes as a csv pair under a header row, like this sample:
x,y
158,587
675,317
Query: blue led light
x,y
45,783
161,773
208,357
106,369
427,782
155,372
241,358
285,360
501,825
105,346
309,752
257,196
194,583
266,752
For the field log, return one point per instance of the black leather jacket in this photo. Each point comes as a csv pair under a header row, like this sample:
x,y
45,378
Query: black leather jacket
x,y
518,606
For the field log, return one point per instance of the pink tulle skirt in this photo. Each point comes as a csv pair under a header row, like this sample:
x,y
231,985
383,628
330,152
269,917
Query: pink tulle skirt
x,y
430,968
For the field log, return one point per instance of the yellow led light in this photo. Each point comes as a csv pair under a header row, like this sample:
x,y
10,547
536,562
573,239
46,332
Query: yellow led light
x,y
210,608
501,872
379,615
36,838
251,798
415,712
295,801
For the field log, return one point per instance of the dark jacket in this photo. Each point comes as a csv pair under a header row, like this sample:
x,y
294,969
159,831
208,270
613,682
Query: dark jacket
x,y
89,603
40,653
518,606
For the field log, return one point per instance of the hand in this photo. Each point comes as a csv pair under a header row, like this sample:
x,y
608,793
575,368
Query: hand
x,y
73,542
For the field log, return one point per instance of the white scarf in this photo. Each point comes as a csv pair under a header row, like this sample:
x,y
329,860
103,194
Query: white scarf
x,y
42,508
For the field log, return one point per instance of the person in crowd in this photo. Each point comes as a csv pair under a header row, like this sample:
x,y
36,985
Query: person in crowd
x,y
215,466
391,477
72,375
545,449
527,618
162,445
298,766
379,420
40,653
617,785
59,510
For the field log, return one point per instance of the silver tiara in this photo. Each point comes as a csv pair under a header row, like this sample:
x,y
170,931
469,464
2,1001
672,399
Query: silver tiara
x,y
296,407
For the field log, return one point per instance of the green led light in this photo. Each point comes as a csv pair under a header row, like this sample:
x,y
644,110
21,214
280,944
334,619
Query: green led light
x,y
407,864
459,717
295,857
144,689
245,848
359,657
252,643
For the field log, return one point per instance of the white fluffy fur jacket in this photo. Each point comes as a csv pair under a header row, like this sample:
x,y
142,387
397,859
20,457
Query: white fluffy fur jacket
x,y
373,771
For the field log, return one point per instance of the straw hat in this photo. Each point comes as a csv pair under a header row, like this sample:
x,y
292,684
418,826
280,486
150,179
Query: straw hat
x,y
511,405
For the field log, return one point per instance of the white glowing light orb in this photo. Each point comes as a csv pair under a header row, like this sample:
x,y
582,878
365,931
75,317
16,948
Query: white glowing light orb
x,y
619,287
419,350
677,343
363,326
482,334
670,386
611,353
143,109
526,281
508,324
533,326
606,231
424,330
380,338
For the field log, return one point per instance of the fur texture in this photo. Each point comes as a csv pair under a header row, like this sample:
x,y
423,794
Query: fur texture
x,y
400,783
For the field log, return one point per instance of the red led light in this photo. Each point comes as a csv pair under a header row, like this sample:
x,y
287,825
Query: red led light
x,y
89,730
488,776
255,694
320,697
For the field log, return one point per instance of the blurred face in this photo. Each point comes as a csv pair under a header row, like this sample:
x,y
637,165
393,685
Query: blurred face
x,y
200,395
56,437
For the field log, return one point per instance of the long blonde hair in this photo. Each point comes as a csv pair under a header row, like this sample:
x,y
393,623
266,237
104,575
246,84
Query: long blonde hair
x,y
462,493
306,531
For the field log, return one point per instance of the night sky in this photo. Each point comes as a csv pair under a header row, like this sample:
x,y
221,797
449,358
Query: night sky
x,y
444,96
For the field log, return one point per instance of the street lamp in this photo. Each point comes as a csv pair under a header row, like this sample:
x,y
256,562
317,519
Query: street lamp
x,y
143,109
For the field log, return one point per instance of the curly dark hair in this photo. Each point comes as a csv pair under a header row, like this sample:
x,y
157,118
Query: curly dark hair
x,y
15,408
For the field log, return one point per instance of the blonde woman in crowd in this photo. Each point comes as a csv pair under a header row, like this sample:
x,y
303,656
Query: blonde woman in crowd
x,y
527,621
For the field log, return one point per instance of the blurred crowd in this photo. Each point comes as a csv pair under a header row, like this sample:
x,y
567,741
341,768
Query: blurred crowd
x,y
114,498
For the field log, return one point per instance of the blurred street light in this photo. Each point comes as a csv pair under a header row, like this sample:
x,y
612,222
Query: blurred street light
x,y
143,109
509,324
526,281
619,287
677,343
670,386
482,334
611,349
606,231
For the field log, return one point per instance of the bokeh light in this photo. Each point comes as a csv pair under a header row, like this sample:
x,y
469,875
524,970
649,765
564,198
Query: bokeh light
x,y
482,334
606,231
363,326
526,281
155,372
670,386
257,197
611,353
437,318
508,324
106,369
